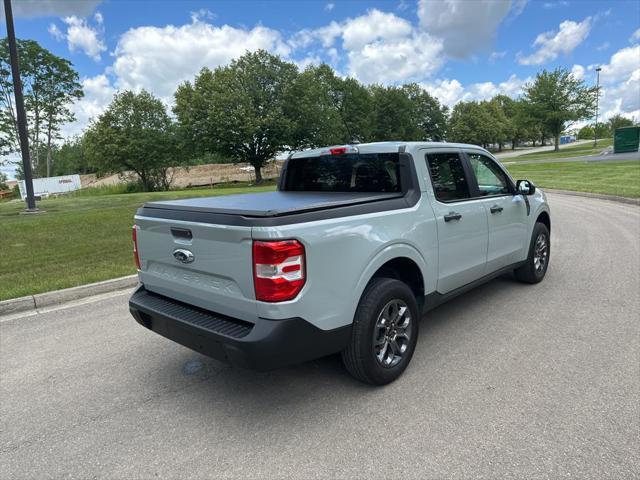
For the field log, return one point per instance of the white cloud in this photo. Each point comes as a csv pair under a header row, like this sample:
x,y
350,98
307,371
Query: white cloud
x,y
98,93
379,47
56,32
450,92
57,8
202,15
635,37
160,58
402,5
495,56
552,44
623,98
82,36
623,64
603,46
355,32
329,6
373,26
309,60
399,60
465,26
555,4
620,80
326,35
578,72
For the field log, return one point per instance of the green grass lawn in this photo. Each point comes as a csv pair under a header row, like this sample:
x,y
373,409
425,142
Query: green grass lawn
x,y
83,239
613,178
78,240
566,152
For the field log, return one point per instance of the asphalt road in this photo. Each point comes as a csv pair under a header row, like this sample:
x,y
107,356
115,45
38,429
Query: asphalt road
x,y
507,381
547,148
609,157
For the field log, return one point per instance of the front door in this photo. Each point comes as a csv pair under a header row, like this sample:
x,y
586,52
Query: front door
x,y
506,212
461,222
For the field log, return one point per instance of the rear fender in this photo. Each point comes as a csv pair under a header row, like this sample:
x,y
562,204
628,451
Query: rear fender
x,y
386,254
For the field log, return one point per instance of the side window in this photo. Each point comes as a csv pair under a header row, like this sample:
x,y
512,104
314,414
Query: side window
x,y
491,179
447,176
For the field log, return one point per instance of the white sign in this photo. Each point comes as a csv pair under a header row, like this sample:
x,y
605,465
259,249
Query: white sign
x,y
43,187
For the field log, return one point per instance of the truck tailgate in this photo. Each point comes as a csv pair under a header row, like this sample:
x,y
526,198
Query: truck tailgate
x,y
218,277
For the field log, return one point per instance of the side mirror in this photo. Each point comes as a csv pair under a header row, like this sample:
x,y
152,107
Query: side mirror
x,y
525,187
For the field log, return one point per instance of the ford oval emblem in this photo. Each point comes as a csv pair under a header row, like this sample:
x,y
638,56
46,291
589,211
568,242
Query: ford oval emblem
x,y
183,256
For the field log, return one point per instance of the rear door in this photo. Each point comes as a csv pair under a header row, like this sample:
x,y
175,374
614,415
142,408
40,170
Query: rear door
x,y
461,221
201,264
506,212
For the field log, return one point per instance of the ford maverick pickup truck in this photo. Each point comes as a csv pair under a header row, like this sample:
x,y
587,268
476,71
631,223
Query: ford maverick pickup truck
x,y
355,245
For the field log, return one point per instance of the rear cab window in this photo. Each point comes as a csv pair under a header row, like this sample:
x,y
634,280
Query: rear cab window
x,y
356,172
447,176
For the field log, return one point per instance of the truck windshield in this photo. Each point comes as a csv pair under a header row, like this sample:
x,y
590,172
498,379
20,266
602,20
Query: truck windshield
x,y
369,172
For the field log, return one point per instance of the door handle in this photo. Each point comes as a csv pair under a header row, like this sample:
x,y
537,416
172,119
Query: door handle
x,y
496,209
452,216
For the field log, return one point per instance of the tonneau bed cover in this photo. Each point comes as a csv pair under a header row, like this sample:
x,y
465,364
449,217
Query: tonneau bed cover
x,y
271,204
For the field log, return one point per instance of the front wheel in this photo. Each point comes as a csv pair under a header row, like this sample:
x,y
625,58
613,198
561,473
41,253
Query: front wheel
x,y
535,267
384,334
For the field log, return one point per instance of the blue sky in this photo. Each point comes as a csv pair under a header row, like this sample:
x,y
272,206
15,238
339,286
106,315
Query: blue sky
x,y
457,49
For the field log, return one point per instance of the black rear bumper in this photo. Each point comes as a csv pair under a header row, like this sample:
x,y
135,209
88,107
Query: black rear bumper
x,y
266,345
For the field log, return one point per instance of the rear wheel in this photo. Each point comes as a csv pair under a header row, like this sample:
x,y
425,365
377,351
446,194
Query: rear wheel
x,y
535,267
385,332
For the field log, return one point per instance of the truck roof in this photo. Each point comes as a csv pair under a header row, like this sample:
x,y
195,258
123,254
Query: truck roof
x,y
384,147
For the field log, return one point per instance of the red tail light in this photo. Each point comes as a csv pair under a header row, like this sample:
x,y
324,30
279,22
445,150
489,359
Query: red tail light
x,y
134,234
278,270
338,150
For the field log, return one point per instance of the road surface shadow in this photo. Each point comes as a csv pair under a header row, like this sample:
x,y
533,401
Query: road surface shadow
x,y
261,394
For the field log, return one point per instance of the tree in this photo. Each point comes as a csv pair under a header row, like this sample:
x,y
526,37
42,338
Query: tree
x,y
313,104
618,121
501,128
471,122
195,133
239,110
134,134
3,181
428,116
557,99
69,158
50,86
587,132
392,114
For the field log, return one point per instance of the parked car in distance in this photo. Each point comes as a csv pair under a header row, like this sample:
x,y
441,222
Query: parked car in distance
x,y
356,243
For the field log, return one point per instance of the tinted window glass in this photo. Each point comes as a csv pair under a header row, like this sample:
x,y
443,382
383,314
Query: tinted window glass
x,y
378,172
447,176
491,179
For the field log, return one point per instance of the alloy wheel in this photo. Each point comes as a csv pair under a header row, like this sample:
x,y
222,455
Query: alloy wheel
x,y
392,333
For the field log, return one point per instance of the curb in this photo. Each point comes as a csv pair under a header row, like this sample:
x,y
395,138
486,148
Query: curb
x,y
599,196
41,300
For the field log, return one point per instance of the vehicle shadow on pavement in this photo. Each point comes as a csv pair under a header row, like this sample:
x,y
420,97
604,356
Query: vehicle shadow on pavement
x,y
258,395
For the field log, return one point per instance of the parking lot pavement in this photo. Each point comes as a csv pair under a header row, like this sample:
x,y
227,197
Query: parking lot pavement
x,y
607,157
507,381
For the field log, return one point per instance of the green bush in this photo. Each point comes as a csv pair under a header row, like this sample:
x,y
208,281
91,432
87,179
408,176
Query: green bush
x,y
119,188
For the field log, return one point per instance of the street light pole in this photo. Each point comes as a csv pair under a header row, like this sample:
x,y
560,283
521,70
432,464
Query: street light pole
x,y
20,112
595,130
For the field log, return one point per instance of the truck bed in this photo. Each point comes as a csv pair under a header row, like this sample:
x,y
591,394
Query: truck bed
x,y
270,204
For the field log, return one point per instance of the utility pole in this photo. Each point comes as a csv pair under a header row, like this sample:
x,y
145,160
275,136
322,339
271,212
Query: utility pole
x,y
595,130
22,116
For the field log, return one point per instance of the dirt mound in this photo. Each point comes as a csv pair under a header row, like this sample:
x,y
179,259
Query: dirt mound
x,y
199,175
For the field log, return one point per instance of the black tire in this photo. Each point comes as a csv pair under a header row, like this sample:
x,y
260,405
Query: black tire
x,y
532,271
361,357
